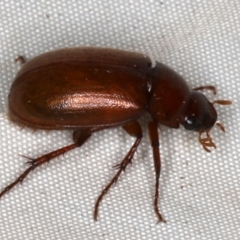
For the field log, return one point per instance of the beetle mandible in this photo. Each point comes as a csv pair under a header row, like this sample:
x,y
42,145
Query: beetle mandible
x,y
90,89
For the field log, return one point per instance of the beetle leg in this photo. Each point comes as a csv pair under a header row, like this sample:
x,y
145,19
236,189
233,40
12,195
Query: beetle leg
x,y
34,163
207,87
153,134
20,59
133,129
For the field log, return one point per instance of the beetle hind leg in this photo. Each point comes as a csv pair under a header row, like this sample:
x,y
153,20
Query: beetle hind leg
x,y
34,163
133,129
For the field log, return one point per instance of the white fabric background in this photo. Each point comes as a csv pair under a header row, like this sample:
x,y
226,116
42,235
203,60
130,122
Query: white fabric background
x,y
200,192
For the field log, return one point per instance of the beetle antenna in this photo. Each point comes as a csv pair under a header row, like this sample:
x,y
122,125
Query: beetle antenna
x,y
206,142
222,102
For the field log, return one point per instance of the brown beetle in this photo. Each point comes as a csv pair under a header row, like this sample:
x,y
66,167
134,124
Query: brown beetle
x,y
90,89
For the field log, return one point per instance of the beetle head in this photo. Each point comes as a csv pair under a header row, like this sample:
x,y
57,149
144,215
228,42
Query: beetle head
x,y
200,115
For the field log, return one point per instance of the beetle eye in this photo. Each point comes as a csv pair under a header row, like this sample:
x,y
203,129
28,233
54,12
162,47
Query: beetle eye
x,y
191,122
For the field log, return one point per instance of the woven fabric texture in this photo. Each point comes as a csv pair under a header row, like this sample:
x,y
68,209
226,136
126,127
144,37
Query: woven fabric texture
x,y
199,191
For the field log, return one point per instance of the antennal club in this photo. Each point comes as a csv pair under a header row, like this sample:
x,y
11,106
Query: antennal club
x,y
206,142
222,102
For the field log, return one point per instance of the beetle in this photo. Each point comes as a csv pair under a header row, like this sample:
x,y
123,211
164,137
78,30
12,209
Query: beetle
x,y
90,89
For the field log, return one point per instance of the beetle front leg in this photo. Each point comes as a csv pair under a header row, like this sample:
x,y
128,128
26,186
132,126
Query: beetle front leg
x,y
206,87
133,129
153,134
34,163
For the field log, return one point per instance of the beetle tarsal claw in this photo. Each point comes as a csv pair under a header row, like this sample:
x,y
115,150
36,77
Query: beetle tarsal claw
x,y
29,159
206,142
221,127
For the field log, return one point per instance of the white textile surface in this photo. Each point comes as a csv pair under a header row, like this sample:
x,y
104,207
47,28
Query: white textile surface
x,y
200,191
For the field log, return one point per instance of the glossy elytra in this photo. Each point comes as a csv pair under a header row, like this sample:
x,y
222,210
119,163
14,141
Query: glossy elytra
x,y
90,89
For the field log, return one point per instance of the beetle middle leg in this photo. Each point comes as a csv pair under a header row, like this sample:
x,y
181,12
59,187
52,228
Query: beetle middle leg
x,y
79,138
134,129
